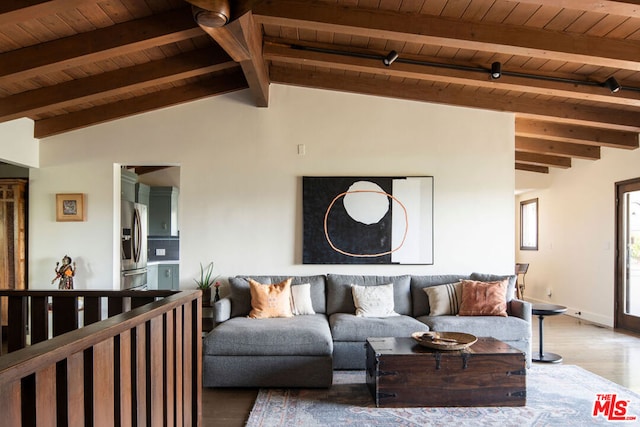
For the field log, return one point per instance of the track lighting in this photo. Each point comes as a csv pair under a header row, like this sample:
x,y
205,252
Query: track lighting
x,y
390,58
496,70
612,84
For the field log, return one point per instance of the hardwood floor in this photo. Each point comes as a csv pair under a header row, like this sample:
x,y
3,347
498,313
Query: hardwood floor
x,y
601,350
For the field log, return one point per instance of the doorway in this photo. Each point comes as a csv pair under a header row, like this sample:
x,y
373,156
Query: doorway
x,y
627,289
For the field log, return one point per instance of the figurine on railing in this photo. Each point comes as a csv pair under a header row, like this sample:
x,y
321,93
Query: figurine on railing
x,y
65,273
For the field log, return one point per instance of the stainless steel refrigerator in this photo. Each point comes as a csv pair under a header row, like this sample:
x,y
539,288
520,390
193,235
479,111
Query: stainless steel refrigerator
x,y
133,227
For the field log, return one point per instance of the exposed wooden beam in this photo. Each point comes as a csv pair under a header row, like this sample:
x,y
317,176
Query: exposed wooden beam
x,y
427,29
576,134
286,54
628,8
556,148
119,39
579,115
531,168
531,108
153,101
543,160
12,11
242,39
114,83
231,39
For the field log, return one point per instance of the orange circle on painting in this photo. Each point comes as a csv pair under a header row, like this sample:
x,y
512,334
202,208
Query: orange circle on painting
x,y
326,228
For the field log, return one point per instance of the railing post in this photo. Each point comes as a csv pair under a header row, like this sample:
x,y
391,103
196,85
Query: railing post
x,y
65,314
46,396
180,410
118,305
187,368
75,390
125,378
92,310
10,403
169,357
17,315
103,384
141,375
156,365
39,319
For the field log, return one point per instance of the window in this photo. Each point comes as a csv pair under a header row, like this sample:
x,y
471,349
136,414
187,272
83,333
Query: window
x,y
529,225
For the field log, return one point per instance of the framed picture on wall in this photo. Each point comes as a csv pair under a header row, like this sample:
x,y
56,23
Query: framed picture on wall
x,y
70,207
367,220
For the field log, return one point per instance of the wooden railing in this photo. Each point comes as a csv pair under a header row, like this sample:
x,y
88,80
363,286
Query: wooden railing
x,y
141,367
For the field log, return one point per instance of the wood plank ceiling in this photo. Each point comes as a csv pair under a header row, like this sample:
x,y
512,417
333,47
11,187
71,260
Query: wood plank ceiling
x,y
68,64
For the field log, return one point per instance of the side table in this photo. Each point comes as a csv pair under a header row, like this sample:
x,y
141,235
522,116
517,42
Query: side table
x,y
542,310
207,319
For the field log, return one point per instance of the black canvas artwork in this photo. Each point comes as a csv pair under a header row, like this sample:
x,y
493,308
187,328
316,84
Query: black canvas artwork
x,y
367,220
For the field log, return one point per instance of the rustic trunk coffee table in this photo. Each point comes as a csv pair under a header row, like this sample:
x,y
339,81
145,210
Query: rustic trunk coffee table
x,y
402,373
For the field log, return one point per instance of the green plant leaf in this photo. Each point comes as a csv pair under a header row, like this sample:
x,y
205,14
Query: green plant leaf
x,y
205,281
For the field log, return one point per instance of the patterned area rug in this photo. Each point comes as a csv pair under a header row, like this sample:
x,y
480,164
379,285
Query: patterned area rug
x,y
557,395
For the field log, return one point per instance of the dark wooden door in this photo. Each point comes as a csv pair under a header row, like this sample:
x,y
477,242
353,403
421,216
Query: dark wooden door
x,y
627,298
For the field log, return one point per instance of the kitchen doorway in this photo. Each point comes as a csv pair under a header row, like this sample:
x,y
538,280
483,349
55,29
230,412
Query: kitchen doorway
x,y
627,287
155,189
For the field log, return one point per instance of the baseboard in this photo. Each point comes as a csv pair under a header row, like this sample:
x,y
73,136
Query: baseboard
x,y
581,314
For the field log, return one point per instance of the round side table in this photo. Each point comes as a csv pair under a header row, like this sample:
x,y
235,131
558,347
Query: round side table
x,y
542,310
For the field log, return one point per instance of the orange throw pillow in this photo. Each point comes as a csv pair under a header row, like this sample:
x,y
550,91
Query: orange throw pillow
x,y
483,298
270,300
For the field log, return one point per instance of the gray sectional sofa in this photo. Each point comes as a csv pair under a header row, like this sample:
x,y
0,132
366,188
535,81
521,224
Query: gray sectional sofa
x,y
303,351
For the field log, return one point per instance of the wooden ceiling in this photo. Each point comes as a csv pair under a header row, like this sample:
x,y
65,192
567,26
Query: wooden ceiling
x,y
68,64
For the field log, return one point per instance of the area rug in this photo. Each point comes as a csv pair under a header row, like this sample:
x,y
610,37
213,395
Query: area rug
x,y
557,395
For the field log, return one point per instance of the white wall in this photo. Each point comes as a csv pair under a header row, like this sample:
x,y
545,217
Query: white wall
x,y
240,180
17,144
576,256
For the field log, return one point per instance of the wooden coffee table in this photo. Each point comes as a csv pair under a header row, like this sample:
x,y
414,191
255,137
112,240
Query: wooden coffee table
x,y
401,373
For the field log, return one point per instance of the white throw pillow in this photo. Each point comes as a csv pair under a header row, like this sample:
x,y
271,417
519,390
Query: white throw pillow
x,y
301,299
373,301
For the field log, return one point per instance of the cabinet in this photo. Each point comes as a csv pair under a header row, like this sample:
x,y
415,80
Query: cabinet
x,y
163,211
152,277
168,276
163,276
128,182
142,193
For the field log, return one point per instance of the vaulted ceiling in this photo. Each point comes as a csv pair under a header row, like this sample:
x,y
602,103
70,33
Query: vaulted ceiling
x,y
68,64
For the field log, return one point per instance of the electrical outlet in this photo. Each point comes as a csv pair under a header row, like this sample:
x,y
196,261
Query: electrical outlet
x,y
161,252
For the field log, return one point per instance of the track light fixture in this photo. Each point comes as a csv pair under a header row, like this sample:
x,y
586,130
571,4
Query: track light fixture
x,y
612,84
390,58
496,70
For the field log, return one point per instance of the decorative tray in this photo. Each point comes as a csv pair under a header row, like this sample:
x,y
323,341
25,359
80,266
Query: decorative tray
x,y
444,340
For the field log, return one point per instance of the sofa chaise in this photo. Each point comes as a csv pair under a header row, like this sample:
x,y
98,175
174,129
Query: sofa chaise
x,y
303,350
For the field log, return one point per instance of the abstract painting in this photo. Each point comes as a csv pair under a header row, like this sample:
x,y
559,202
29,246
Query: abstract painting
x,y
367,220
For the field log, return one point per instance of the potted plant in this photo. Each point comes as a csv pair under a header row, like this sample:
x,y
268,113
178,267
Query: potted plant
x,y
205,282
